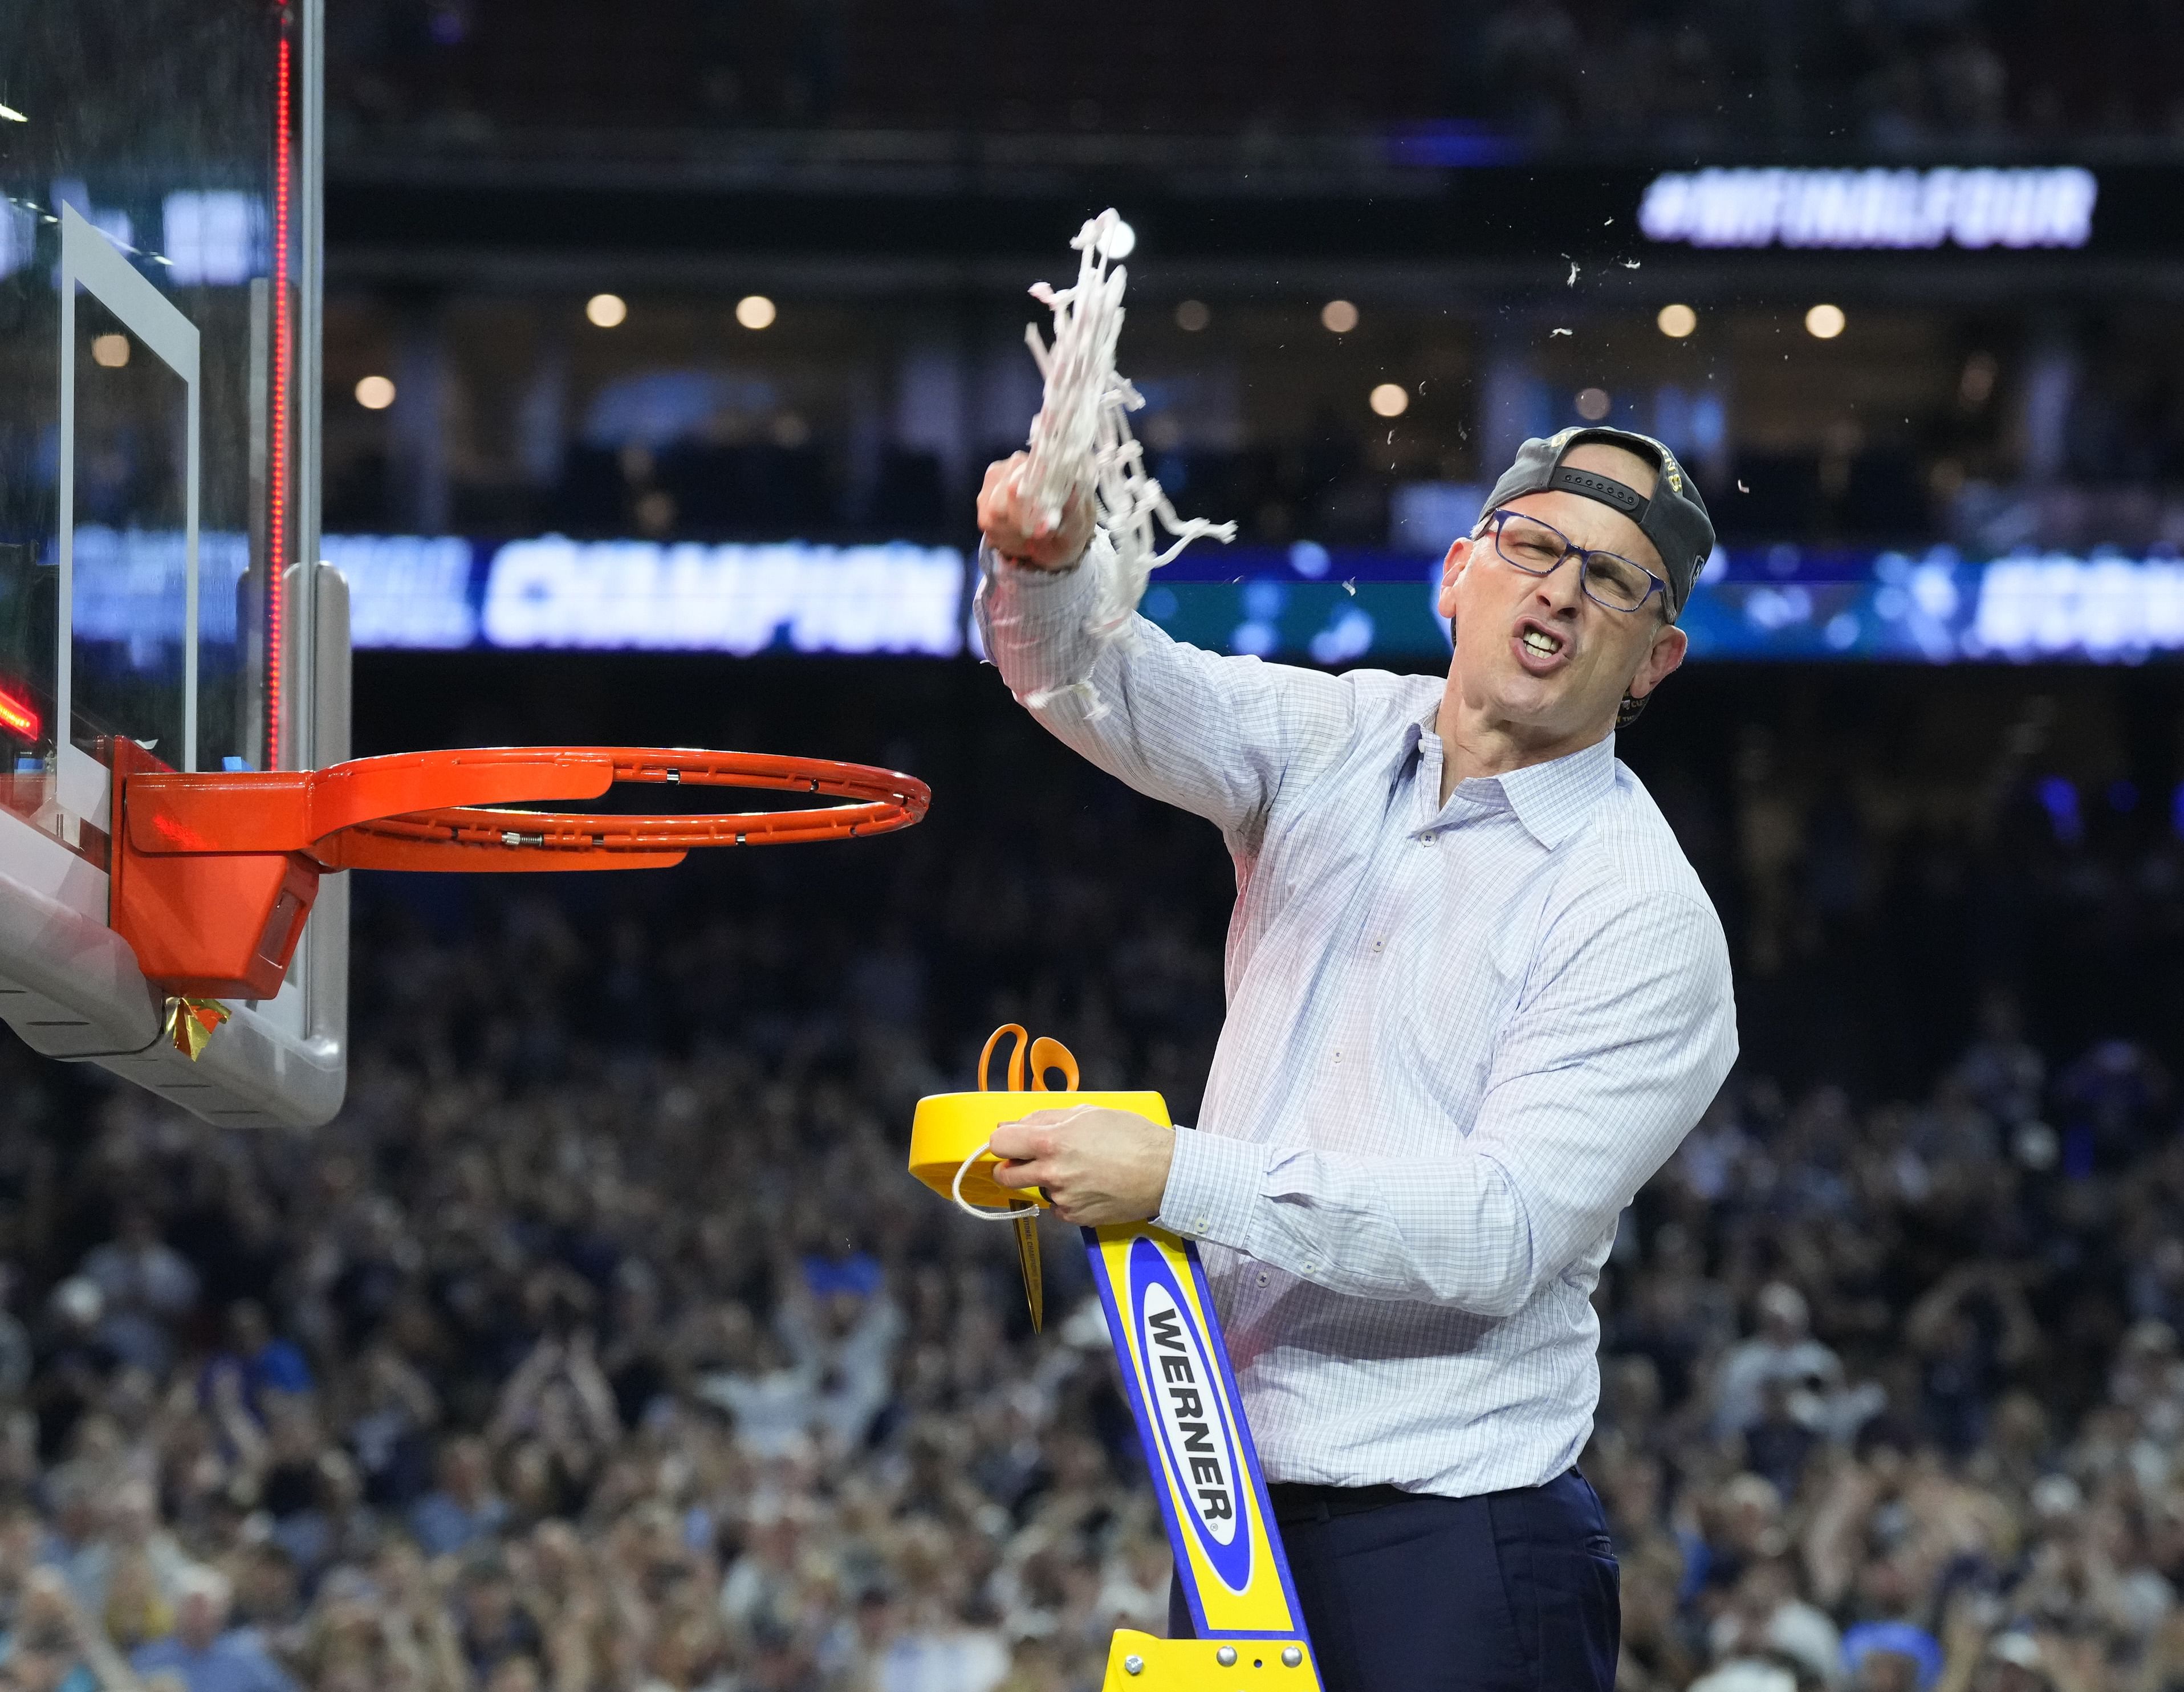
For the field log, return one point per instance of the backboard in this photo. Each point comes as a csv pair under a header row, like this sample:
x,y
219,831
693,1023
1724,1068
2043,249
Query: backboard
x,y
159,426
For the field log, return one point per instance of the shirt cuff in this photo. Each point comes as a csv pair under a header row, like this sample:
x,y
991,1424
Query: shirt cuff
x,y
1042,591
1212,1183
1033,621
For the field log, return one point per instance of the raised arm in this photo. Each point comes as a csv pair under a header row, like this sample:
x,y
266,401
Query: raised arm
x,y
1623,1038
1214,735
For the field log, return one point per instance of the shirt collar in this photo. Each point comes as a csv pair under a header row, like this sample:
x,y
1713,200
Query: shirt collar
x,y
1550,799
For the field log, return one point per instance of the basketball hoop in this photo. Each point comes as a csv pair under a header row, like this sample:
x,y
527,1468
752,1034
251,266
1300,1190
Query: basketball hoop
x,y
214,873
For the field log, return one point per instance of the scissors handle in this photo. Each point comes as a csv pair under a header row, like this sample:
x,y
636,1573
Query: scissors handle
x,y
1040,1056
1016,1056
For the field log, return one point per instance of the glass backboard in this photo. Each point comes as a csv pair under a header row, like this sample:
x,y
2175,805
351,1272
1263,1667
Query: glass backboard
x,y
158,335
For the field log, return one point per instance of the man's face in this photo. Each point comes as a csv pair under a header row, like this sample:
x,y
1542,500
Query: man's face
x,y
1533,652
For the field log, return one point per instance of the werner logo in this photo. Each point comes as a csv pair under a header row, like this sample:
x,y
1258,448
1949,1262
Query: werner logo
x,y
1183,1393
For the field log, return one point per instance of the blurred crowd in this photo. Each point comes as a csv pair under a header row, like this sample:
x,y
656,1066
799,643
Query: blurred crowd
x,y
602,1344
1551,74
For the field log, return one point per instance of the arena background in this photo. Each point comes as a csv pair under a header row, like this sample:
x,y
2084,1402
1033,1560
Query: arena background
x,y
601,1343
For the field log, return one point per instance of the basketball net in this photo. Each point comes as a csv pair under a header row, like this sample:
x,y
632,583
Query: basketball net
x,y
1081,444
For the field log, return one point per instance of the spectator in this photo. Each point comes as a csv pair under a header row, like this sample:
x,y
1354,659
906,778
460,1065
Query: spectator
x,y
1891,1656
1783,1350
146,1288
464,1508
263,1363
203,1651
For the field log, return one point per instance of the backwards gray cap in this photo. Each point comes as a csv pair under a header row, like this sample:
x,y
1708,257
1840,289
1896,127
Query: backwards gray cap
x,y
1674,517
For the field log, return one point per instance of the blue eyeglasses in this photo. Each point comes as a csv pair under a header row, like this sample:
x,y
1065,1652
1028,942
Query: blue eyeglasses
x,y
1537,549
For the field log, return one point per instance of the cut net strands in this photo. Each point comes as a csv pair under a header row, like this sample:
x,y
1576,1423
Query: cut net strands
x,y
1081,439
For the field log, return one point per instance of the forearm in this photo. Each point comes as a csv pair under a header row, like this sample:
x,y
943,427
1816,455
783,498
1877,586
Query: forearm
x,y
1219,735
1596,1078
1455,1232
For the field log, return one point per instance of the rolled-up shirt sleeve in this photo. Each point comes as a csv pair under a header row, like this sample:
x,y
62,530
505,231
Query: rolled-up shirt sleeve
x,y
1618,1042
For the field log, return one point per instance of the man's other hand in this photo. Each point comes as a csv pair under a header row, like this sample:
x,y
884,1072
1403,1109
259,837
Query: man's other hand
x,y
1098,1167
1022,534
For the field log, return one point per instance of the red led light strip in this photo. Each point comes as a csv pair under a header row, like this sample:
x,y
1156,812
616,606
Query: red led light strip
x,y
276,516
18,718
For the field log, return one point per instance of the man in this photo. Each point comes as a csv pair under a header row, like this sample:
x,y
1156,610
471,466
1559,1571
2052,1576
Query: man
x,y
464,1508
1783,1350
1476,996
202,1651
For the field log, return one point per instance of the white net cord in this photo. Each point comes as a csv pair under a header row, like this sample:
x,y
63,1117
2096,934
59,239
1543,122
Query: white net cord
x,y
1081,441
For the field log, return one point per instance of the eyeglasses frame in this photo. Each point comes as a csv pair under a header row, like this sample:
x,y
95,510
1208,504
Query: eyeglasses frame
x,y
1492,525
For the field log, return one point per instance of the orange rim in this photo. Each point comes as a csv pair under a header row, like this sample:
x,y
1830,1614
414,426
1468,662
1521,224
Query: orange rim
x,y
882,801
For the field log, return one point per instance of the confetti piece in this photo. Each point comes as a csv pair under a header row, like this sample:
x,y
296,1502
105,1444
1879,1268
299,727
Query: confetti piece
x,y
190,1023
1350,587
1741,488
1551,333
1630,264
1572,281
1604,225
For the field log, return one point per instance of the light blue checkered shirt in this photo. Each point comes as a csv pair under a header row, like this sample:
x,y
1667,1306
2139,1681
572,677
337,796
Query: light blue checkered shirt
x,y
1460,1037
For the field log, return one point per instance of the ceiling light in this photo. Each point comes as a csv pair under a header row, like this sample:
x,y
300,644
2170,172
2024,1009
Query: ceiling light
x,y
1388,400
755,311
1676,321
1593,403
606,310
1338,315
374,393
110,351
1825,322
1192,317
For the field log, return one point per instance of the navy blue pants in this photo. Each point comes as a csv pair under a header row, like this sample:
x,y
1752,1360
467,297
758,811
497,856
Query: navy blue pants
x,y
1510,1591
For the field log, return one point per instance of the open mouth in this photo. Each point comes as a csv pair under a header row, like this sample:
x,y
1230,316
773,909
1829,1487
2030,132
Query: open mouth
x,y
1541,647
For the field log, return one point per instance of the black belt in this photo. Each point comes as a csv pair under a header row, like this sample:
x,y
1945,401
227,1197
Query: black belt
x,y
1300,1501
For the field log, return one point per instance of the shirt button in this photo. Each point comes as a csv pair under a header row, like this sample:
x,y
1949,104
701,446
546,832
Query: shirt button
x,y
1199,1226
1429,839
1377,944
1338,1055
1263,1280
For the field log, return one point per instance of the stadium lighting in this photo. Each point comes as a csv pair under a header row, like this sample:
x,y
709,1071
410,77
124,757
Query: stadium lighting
x,y
110,351
11,115
1826,322
607,311
1338,316
1676,321
1388,400
1593,403
755,311
1191,316
374,393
